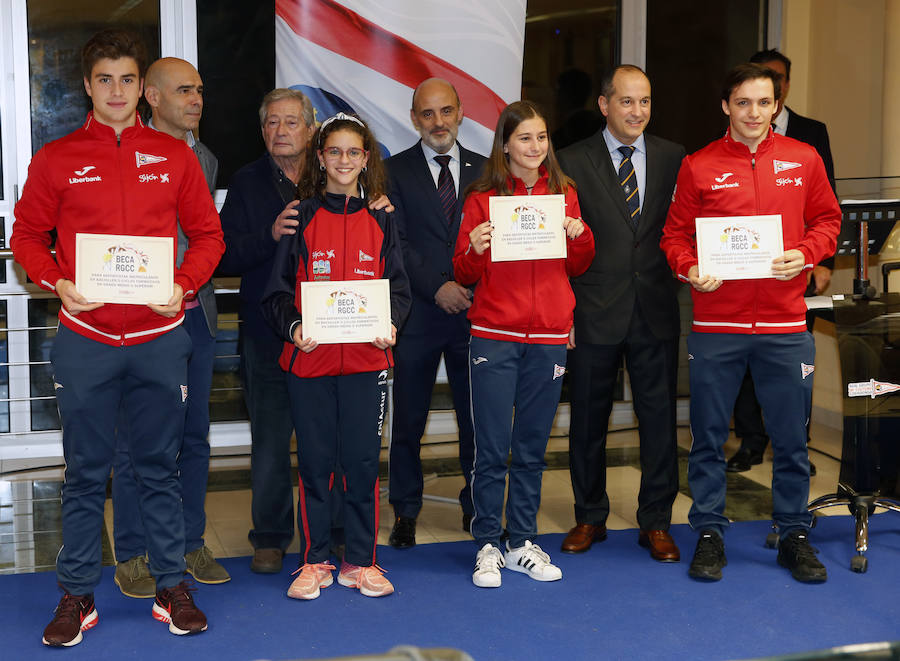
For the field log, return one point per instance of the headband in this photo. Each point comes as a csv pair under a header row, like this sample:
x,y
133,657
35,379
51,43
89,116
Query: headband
x,y
340,115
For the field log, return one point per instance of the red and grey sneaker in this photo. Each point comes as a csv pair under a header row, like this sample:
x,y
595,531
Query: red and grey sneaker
x,y
175,607
73,614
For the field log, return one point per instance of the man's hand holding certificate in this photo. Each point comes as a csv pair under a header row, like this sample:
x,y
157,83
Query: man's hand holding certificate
x,y
111,268
742,248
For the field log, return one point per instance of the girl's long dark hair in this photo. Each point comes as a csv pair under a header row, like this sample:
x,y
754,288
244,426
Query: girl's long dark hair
x,y
372,178
496,175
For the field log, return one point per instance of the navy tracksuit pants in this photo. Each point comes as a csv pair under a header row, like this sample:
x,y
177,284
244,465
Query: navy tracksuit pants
x,y
193,457
339,420
97,385
781,366
515,394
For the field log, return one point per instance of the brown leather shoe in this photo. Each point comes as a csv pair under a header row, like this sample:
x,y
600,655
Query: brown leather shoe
x,y
267,561
662,546
582,536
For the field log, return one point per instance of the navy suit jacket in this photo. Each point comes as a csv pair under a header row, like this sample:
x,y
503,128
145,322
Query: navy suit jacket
x,y
251,206
426,238
628,264
815,133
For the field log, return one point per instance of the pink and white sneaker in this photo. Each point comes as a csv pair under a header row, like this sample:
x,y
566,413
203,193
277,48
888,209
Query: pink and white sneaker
x,y
370,580
311,578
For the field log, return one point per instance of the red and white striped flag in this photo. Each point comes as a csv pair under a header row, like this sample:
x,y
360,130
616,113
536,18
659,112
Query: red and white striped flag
x,y
367,57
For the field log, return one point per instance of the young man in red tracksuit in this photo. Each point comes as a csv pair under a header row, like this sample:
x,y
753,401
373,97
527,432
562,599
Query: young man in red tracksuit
x,y
115,362
757,323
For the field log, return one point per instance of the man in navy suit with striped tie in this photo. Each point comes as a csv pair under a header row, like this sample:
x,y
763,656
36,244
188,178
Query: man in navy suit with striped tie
x,y
625,307
427,182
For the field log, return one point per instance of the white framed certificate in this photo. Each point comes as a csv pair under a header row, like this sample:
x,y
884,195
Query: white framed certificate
x,y
346,311
119,268
527,227
739,247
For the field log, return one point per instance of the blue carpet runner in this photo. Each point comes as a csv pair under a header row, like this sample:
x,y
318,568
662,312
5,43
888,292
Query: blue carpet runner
x,y
613,602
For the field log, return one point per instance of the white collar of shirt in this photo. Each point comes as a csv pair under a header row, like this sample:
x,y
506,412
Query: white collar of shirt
x,y
435,167
188,138
780,123
638,158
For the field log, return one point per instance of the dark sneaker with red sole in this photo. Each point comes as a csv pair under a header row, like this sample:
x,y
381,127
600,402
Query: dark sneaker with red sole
x,y
74,614
175,607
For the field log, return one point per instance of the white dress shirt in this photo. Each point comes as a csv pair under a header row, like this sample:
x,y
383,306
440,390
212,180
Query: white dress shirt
x,y
435,167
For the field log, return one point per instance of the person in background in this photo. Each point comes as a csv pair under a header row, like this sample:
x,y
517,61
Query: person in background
x,y
748,422
174,90
256,216
425,183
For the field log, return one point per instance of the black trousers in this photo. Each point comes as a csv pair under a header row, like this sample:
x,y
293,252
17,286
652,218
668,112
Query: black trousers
x,y
416,361
652,368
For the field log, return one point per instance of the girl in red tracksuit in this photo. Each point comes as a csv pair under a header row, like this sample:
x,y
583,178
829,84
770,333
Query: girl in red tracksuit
x,y
338,392
521,319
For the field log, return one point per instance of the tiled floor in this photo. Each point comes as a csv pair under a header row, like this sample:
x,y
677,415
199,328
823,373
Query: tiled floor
x,y
30,515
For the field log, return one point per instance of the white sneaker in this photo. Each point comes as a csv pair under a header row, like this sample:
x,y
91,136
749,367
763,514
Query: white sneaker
x,y
530,559
487,567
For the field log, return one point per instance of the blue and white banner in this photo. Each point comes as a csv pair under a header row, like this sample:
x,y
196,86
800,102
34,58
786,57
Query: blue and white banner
x,y
367,57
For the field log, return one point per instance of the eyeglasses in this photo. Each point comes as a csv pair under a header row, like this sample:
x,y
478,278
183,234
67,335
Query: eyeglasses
x,y
354,154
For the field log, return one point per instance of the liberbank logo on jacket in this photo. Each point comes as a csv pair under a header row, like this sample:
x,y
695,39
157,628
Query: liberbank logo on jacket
x,y
722,182
80,177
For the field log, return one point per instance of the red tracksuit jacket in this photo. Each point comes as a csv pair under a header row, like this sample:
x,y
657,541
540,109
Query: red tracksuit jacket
x,y
784,177
338,238
142,184
527,301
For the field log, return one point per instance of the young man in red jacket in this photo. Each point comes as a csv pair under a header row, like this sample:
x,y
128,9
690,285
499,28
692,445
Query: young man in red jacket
x,y
118,362
760,323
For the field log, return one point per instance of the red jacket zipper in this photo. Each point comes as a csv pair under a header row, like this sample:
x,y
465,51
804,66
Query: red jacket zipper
x,y
125,224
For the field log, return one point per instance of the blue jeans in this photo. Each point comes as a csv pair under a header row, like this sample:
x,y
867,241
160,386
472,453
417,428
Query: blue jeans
x,y
781,369
97,387
510,377
193,458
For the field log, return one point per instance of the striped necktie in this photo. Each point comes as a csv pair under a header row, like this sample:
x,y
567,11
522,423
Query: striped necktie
x,y
446,188
628,181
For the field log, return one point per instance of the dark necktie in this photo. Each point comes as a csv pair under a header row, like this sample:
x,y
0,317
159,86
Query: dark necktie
x,y
446,188
628,180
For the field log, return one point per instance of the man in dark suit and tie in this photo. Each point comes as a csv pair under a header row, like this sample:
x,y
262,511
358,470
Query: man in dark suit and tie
x,y
748,422
426,184
625,305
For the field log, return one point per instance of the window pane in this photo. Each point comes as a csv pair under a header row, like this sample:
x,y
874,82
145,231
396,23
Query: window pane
x,y
690,48
4,370
236,58
226,401
2,189
569,45
57,30
3,263
42,317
